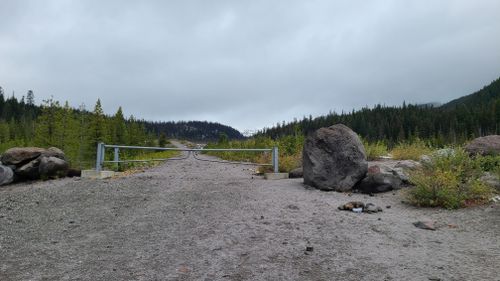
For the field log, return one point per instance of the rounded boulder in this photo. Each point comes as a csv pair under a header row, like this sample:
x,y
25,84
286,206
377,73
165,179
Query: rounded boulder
x,y
20,155
488,145
334,158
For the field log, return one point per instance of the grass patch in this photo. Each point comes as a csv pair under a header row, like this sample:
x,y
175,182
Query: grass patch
x,y
375,150
289,150
449,181
411,151
143,155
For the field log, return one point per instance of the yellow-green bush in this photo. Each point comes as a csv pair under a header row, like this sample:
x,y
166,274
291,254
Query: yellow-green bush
x,y
289,148
410,151
375,150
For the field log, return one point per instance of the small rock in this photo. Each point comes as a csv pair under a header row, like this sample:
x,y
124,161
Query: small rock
x,y
6,175
309,249
371,208
425,159
296,173
429,225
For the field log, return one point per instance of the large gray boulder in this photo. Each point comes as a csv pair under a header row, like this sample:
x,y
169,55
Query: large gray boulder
x,y
334,159
6,175
51,167
489,145
20,155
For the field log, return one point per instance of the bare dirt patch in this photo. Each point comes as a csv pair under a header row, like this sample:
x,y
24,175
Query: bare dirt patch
x,y
192,220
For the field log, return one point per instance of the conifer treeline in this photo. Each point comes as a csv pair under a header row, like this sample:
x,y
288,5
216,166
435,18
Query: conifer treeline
x,y
193,130
75,131
471,116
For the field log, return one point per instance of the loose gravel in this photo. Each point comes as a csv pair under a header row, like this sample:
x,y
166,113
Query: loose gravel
x,y
193,220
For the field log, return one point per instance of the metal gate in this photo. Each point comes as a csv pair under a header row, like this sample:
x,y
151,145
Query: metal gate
x,y
101,152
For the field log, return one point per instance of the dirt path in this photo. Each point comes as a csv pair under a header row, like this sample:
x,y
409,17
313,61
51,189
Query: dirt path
x,y
192,220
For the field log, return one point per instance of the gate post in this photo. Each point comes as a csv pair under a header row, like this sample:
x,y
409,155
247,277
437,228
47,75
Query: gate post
x,y
117,158
275,159
99,157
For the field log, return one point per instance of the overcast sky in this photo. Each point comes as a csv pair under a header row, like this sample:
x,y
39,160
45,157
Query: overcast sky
x,y
248,64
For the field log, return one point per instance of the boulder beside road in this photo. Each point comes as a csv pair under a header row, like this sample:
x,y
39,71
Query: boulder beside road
x,y
32,163
334,158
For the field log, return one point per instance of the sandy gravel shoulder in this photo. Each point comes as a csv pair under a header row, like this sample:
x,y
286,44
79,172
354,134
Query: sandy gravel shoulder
x,y
192,220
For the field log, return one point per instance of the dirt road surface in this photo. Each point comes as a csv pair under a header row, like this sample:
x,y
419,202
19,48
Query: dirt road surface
x,y
192,220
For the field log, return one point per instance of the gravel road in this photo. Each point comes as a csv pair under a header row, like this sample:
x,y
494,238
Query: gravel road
x,y
193,220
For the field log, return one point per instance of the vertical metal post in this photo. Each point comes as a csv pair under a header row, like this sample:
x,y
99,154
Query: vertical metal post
x,y
275,159
103,154
117,157
98,163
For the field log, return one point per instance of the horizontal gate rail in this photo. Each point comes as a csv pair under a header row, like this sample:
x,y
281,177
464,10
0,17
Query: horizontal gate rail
x,y
101,152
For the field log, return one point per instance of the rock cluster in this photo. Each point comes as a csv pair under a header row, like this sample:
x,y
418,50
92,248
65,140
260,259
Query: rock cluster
x,y
365,208
334,159
383,176
31,163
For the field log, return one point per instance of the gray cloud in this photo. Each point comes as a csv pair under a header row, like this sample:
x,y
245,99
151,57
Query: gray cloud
x,y
248,64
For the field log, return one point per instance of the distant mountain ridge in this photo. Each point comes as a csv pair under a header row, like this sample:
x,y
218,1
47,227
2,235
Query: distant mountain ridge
x,y
481,98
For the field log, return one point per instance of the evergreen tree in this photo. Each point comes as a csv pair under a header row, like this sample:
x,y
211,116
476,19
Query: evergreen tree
x,y
162,140
119,128
97,130
30,98
47,123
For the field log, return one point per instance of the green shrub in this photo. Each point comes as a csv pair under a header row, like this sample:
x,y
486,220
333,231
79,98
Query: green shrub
x,y
489,163
450,181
